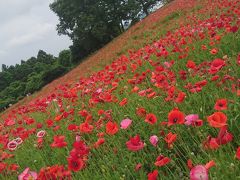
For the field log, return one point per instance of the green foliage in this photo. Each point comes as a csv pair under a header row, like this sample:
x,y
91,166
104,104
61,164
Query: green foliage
x,y
53,73
31,75
65,58
34,83
92,24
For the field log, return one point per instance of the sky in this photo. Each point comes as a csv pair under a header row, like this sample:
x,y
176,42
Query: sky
x,y
26,26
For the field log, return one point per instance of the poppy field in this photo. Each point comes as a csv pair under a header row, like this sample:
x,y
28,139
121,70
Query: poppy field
x,y
164,104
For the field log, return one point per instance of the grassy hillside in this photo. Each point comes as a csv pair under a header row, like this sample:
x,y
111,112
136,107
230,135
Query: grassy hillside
x,y
161,101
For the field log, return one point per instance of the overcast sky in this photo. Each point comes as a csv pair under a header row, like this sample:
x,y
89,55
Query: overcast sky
x,y
25,27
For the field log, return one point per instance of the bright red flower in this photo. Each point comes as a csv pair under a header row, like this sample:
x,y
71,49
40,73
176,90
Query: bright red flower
x,y
111,128
217,120
238,60
216,65
189,163
238,153
180,98
3,166
49,122
86,127
151,118
59,117
75,164
54,172
123,102
141,112
135,143
211,143
214,51
175,117
13,167
59,142
224,136
138,166
170,139
221,104
162,161
99,142
191,64
153,175
72,127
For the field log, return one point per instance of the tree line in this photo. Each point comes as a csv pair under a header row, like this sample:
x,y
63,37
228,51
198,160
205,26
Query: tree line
x,y
90,24
31,75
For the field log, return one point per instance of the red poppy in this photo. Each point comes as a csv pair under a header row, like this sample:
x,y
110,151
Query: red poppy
x,y
72,127
238,60
170,139
151,118
86,127
224,136
13,167
211,143
217,120
191,64
99,142
162,161
214,51
49,122
238,153
59,117
175,117
141,112
138,166
54,172
123,102
221,104
189,164
135,143
59,142
153,175
180,98
111,128
216,65
75,164
3,166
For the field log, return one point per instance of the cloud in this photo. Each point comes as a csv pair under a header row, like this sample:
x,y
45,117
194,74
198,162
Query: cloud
x,y
37,34
2,52
27,26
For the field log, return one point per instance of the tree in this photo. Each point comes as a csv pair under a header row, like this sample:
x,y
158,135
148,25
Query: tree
x,y
146,5
4,67
34,83
43,57
93,23
65,58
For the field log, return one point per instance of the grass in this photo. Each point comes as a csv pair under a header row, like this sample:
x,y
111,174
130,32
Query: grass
x,y
135,63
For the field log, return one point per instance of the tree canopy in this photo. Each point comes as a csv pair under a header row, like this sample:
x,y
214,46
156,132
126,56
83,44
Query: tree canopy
x,y
31,75
93,23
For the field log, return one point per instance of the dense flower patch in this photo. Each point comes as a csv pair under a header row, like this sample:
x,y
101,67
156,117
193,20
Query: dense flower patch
x,y
163,110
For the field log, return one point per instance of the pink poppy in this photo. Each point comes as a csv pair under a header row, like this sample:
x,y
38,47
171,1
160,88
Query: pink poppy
x,y
126,123
12,145
191,119
27,174
154,140
199,172
41,133
18,140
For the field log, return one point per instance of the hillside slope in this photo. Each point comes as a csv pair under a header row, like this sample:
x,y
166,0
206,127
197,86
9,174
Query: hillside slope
x,y
136,37
161,101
